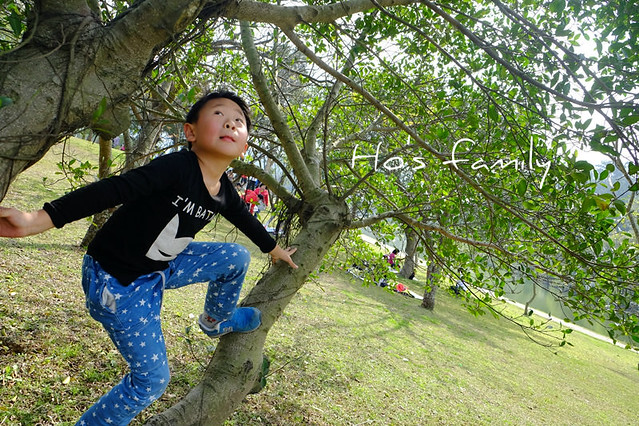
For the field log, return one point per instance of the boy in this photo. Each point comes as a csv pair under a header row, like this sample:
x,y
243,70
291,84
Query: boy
x,y
147,246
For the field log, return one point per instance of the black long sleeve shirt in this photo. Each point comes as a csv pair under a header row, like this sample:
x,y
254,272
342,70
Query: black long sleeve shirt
x,y
163,205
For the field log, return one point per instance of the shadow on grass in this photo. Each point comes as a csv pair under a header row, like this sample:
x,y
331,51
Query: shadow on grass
x,y
287,412
403,314
40,246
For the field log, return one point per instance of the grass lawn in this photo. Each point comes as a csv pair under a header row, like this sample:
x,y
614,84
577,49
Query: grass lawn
x,y
342,354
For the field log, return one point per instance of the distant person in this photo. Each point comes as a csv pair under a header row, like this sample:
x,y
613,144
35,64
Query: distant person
x,y
251,199
239,189
460,286
251,184
147,246
403,290
390,257
263,198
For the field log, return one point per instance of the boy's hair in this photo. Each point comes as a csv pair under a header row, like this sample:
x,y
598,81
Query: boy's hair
x,y
194,113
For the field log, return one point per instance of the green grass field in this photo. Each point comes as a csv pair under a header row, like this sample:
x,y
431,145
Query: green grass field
x,y
342,354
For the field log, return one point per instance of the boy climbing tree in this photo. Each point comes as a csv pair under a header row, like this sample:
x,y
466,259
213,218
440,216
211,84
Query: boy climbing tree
x,y
147,246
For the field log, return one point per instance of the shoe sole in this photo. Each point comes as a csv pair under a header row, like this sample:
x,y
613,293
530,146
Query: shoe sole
x,y
209,331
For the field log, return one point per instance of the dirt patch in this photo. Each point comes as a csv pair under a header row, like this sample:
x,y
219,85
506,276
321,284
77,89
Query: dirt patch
x,y
9,346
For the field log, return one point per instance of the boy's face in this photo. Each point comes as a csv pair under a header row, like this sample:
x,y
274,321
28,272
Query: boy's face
x,y
220,130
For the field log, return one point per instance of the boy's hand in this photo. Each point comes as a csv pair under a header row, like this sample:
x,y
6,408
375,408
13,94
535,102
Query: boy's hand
x,y
278,253
15,223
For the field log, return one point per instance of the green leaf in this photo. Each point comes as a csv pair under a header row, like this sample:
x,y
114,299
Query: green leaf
x,y
634,187
632,168
605,149
601,203
583,165
597,247
521,187
100,110
5,101
631,119
557,6
15,21
581,177
620,205
587,204
492,113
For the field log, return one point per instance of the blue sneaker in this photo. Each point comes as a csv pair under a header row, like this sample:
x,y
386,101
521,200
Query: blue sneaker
x,y
243,320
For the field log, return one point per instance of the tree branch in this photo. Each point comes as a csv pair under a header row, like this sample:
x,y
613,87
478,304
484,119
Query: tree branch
x,y
269,154
147,25
439,155
306,182
290,16
322,113
431,227
282,193
371,220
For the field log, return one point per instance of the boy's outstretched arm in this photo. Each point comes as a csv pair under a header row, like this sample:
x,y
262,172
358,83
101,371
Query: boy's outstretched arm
x,y
15,223
278,253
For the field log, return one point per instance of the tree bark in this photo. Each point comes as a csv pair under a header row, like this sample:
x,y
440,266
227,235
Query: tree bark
x,y
237,360
151,122
71,65
431,287
104,169
408,268
73,71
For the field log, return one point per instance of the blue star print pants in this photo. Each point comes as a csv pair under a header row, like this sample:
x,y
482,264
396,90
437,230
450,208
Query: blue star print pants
x,y
131,316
